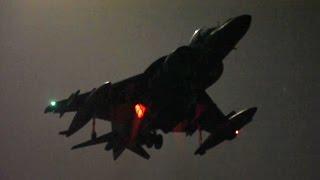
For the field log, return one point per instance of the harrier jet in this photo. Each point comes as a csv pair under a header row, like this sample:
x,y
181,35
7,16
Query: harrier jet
x,y
169,96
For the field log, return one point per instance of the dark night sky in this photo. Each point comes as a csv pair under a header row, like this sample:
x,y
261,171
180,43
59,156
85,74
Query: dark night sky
x,y
49,49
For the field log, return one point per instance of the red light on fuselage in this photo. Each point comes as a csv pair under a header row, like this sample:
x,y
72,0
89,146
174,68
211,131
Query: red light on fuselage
x,y
140,110
237,132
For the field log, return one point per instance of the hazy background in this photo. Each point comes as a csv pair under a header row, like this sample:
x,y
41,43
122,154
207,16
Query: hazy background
x,y
50,48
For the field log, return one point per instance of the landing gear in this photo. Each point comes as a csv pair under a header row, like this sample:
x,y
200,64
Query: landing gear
x,y
200,134
108,147
155,140
149,144
93,132
93,135
158,141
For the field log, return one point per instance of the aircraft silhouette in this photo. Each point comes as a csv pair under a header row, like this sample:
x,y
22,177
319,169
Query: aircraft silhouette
x,y
169,96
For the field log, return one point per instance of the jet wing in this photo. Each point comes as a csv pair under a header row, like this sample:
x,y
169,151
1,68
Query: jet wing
x,y
75,100
104,138
210,142
117,147
208,114
205,115
227,131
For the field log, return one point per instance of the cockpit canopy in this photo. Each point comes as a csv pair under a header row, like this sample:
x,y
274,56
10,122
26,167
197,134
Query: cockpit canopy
x,y
200,35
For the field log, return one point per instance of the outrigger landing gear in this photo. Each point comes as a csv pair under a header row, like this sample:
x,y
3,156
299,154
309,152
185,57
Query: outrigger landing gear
x,y
200,134
93,132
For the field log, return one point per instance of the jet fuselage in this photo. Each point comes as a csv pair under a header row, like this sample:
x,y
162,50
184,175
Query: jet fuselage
x,y
169,96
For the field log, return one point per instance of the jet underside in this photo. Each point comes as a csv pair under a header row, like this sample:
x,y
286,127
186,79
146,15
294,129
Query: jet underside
x,y
169,96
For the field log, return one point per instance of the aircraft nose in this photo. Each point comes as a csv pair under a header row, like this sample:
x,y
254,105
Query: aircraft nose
x,y
234,29
241,23
225,37
245,20
252,111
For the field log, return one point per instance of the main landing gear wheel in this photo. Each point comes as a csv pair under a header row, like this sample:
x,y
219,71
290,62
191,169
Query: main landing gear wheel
x,y
149,144
108,147
158,141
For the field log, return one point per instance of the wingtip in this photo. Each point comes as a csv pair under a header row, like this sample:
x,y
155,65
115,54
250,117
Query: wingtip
x,y
147,158
115,158
199,152
65,133
74,147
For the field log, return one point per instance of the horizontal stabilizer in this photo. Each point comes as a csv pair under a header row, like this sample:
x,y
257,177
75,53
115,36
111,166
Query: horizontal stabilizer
x,y
104,138
139,150
117,150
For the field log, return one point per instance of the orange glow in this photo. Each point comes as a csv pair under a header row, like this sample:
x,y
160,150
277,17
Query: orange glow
x,y
237,132
140,110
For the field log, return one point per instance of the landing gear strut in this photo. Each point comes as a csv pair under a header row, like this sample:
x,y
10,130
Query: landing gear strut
x,y
200,134
93,132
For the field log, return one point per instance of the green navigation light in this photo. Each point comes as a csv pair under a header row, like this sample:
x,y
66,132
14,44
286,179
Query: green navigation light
x,y
53,103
